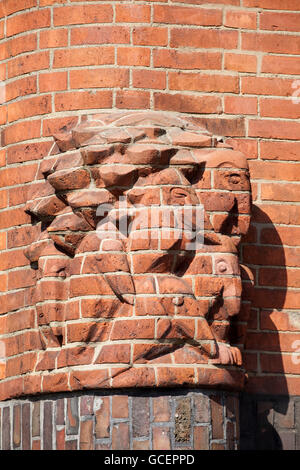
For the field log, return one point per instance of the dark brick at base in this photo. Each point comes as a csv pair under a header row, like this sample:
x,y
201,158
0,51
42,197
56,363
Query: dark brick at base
x,y
166,420
269,422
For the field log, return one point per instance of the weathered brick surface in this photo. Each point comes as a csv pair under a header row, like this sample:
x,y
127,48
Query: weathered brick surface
x,y
168,420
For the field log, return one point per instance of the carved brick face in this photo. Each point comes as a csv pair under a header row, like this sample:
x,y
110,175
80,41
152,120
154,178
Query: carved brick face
x,y
138,271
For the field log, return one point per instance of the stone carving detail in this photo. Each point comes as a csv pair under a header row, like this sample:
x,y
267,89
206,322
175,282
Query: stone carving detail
x,y
125,284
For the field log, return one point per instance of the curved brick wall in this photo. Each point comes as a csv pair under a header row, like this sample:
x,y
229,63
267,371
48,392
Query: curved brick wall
x,y
234,65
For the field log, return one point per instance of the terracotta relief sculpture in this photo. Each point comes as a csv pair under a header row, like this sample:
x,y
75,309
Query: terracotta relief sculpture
x,y
141,215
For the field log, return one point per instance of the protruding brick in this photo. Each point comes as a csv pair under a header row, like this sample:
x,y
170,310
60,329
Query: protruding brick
x,y
72,416
102,412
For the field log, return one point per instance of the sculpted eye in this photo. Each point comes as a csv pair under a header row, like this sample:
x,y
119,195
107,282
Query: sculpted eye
x,y
222,267
179,193
234,178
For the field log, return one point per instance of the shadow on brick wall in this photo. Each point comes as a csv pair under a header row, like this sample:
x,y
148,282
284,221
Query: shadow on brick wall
x,y
268,414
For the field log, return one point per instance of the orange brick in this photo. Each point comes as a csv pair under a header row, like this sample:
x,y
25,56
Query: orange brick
x,y
210,38
147,36
195,82
273,4
233,127
132,99
28,22
11,6
280,64
187,103
217,2
132,13
285,214
274,129
16,132
273,171
57,125
270,107
3,282
50,2
279,21
21,87
133,56
278,43
83,56
149,79
53,81
21,279
3,71
15,216
55,383
240,62
28,63
2,157
2,29
21,236
3,114
280,150
187,15
129,329
19,45
83,100
99,78
3,198
2,241
29,107
53,38
241,19
177,59
247,146
280,192
267,86
100,35
80,14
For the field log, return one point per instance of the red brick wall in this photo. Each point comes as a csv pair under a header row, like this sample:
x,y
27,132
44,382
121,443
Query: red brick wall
x,y
233,64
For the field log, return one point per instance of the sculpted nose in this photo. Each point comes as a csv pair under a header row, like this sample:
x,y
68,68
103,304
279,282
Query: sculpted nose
x,y
233,305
